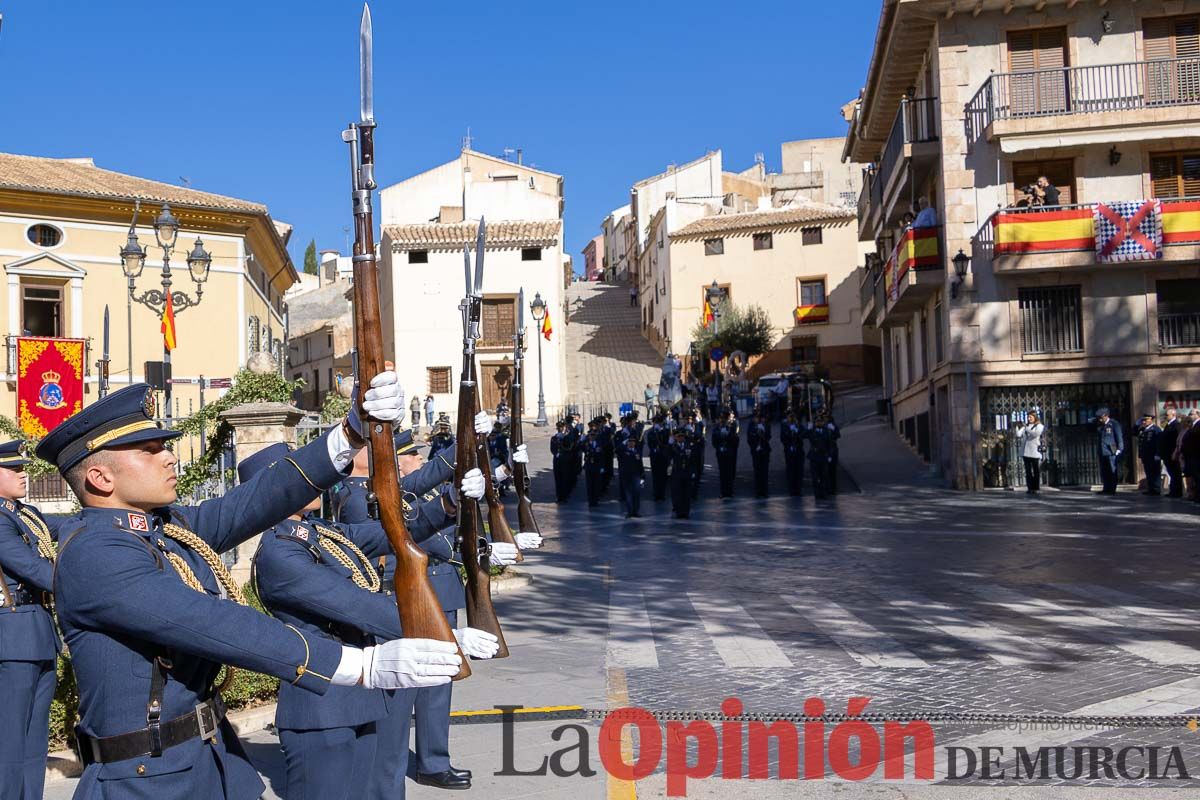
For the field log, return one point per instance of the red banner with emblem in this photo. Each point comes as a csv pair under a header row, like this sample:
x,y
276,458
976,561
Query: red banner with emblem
x,y
49,382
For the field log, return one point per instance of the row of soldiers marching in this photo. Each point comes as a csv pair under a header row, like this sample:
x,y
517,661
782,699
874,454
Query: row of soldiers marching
x,y
676,444
152,617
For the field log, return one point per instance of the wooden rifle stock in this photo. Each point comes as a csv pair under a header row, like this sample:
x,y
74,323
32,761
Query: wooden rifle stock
x,y
525,519
480,612
497,524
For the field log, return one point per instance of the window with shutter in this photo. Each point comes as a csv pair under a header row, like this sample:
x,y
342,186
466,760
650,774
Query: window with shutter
x,y
1175,174
1038,58
498,322
1060,172
1175,41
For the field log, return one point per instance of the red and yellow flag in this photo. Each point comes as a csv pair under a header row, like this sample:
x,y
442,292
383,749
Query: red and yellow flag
x,y
547,329
708,314
49,382
168,325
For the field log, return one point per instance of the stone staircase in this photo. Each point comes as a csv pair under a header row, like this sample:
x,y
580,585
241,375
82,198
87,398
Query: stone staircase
x,y
608,360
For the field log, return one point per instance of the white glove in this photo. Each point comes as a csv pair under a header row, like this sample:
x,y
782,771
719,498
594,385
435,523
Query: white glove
x,y
409,664
483,423
476,643
472,484
528,541
520,455
503,554
384,401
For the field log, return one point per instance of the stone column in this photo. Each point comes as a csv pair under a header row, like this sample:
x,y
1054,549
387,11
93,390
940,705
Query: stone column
x,y
256,425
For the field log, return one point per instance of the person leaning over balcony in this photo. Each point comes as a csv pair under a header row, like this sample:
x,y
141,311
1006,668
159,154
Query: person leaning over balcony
x,y
926,215
1030,438
1047,192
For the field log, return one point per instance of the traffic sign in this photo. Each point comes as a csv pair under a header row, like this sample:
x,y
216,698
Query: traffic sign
x,y
716,354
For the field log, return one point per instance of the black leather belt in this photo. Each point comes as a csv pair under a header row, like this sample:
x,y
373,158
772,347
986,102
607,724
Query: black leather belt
x,y
201,722
24,597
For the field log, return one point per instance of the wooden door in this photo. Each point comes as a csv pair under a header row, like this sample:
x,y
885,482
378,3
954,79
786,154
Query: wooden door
x,y
495,382
1037,60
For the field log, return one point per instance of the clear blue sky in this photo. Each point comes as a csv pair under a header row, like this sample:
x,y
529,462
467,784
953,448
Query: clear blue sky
x,y
249,98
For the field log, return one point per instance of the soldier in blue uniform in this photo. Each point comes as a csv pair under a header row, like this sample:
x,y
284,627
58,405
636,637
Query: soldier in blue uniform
x,y
138,588
29,642
658,441
681,472
698,430
580,436
594,462
607,432
498,449
443,437
725,439
820,455
791,436
1148,433
562,451
759,440
835,433
1110,443
318,577
628,443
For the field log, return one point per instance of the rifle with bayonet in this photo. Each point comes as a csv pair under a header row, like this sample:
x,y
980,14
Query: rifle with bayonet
x,y
421,614
497,524
102,364
526,522
474,546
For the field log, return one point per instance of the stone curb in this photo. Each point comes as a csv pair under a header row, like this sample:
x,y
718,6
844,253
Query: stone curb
x,y
64,764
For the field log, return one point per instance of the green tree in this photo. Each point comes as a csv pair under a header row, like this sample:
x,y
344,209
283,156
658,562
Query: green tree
x,y
311,267
746,329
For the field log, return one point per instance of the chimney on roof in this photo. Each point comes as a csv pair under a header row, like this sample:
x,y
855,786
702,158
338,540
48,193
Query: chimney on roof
x,y
84,160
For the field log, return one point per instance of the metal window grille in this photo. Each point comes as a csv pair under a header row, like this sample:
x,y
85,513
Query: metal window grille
x,y
1051,319
438,379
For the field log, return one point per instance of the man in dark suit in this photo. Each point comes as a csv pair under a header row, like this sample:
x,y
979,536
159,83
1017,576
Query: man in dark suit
x,y
1110,443
1168,441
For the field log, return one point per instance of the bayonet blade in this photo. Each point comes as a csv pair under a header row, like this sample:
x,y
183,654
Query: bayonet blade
x,y
521,313
366,110
467,270
480,244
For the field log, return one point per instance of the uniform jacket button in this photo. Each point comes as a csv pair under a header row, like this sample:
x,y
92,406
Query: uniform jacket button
x,y
141,769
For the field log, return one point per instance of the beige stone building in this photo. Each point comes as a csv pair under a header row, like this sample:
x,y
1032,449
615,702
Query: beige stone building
x,y
320,341
63,223
1061,310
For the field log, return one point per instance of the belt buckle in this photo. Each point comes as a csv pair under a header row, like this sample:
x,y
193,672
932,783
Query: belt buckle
x,y
206,720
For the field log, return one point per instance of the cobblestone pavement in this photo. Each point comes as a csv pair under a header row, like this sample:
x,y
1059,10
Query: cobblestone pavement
x,y
921,599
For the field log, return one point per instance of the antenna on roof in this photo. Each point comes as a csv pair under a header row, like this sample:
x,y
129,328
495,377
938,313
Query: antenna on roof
x,y
187,182
759,158
466,142
509,152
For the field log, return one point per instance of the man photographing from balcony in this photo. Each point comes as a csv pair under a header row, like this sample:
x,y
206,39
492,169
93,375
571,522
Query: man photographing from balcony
x,y
1047,192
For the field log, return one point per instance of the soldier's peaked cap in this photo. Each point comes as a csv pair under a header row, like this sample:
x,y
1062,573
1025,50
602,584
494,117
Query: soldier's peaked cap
x,y
123,417
12,454
405,444
251,466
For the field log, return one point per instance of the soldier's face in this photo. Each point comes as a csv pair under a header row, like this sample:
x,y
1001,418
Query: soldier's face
x,y
140,475
13,483
409,463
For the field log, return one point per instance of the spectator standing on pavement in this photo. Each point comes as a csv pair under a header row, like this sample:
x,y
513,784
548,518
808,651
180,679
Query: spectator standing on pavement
x,y
650,395
429,408
1109,446
1148,435
1029,436
1168,451
414,409
1189,450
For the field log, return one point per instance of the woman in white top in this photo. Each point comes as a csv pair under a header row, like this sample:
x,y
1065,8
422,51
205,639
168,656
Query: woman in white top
x,y
1030,437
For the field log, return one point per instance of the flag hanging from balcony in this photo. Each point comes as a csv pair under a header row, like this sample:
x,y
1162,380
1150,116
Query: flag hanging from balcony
x,y
168,325
918,248
805,315
1129,230
1041,231
1180,221
49,382
547,329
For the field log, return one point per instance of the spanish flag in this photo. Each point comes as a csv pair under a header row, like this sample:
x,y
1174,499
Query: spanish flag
x,y
708,315
547,329
1034,231
1180,221
168,325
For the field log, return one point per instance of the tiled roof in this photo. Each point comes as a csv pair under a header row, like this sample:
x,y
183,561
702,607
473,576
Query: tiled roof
x,y
762,220
501,234
82,178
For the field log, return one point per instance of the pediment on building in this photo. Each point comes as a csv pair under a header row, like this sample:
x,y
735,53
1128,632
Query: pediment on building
x,y
45,265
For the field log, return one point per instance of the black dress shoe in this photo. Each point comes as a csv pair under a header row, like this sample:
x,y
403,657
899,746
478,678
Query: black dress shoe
x,y
462,773
444,780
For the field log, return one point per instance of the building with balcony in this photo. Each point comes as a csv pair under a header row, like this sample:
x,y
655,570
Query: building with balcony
x,y
1082,295
427,221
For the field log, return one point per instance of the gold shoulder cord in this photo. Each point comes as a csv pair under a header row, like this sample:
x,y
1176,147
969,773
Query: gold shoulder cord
x,y
224,579
45,544
329,540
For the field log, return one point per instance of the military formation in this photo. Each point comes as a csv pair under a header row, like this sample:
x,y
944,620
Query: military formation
x,y
675,443
155,625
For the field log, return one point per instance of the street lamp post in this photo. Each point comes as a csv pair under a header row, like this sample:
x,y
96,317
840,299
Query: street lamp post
x,y
133,260
716,295
538,309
